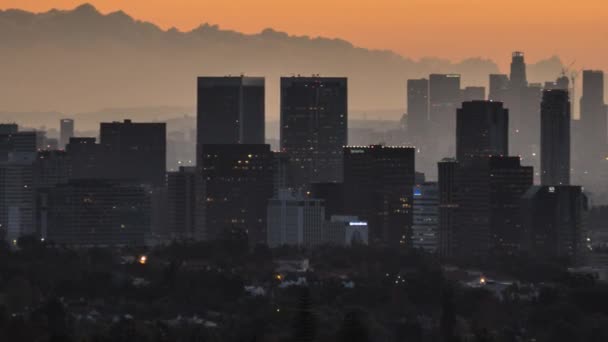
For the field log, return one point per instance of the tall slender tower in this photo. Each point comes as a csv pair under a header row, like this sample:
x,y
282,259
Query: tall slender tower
x,y
555,138
518,70
66,131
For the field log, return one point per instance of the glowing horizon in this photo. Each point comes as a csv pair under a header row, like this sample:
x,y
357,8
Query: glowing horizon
x,y
450,29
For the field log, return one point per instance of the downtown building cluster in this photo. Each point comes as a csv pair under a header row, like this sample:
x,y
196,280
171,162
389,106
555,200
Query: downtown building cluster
x,y
316,188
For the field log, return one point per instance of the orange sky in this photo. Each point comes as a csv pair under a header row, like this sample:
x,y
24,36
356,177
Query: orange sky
x,y
451,29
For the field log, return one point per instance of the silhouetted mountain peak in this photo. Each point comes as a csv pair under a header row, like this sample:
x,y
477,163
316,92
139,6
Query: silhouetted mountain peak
x,y
91,53
86,8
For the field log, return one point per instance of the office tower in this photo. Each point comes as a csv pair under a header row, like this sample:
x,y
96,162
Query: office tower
x,y
230,110
425,229
447,243
345,231
418,107
96,213
280,171
138,151
482,129
66,131
237,184
593,114
444,98
8,128
51,168
18,142
378,183
518,77
473,94
487,197
499,87
332,195
89,160
553,221
314,126
181,204
294,220
17,200
555,138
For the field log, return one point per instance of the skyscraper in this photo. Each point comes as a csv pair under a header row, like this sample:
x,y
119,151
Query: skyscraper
x,y
553,222
181,204
378,183
447,242
314,127
138,151
17,196
555,138
473,94
590,137
66,131
593,108
482,129
486,195
444,98
518,77
418,107
425,228
499,87
230,110
237,184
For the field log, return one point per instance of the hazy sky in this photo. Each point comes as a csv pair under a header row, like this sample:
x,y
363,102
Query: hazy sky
x,y
452,29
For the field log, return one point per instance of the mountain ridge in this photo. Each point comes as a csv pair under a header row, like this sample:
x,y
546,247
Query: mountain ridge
x,y
113,60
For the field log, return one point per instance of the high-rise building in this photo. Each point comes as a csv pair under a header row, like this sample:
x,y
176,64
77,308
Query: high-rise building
x,y
553,222
52,168
8,128
237,184
473,94
281,171
181,204
294,220
591,140
89,160
447,242
555,138
95,213
518,77
499,87
19,142
482,129
480,198
230,110
137,151
425,229
314,127
378,183
444,98
66,131
17,196
418,107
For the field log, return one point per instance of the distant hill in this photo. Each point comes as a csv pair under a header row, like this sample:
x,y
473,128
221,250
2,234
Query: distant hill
x,y
81,60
